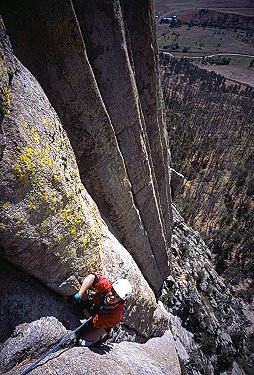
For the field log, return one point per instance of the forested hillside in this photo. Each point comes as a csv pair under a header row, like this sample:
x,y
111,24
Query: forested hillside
x,y
211,138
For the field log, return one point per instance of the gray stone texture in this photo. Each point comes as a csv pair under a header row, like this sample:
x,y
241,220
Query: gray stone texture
x,y
50,226
80,142
157,356
120,90
24,299
31,340
140,21
208,320
105,89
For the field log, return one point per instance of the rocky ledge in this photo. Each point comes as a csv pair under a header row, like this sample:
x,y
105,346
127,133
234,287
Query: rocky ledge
x,y
29,341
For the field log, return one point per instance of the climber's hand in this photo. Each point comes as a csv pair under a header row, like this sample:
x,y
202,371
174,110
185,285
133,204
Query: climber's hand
x,y
110,334
74,298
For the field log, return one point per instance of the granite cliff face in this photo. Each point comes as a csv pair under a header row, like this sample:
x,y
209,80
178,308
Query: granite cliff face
x,y
90,60
50,226
85,185
84,167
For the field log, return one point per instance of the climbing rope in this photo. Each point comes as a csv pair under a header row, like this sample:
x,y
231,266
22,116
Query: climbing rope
x,y
30,368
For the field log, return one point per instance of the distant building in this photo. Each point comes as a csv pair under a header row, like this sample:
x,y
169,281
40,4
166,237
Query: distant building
x,y
170,20
165,20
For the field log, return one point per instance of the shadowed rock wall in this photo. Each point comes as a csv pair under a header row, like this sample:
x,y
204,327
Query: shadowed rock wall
x,y
50,226
141,29
100,73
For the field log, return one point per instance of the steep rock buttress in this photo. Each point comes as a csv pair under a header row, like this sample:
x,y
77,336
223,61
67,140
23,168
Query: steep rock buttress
x,y
50,226
101,76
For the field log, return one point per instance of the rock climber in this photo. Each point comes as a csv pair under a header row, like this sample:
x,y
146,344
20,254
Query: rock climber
x,y
105,306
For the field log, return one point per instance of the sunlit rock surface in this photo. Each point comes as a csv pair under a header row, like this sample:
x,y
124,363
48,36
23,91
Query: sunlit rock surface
x,y
157,356
102,79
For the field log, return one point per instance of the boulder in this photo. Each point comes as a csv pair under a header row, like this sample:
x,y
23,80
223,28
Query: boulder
x,y
31,340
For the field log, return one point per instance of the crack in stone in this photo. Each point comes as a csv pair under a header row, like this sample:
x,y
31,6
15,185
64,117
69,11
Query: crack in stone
x,y
2,139
2,115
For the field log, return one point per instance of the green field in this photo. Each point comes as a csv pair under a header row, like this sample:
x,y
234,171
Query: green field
x,y
238,70
244,7
199,41
204,40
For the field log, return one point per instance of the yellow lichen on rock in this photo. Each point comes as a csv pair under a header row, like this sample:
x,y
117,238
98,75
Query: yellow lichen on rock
x,y
5,102
52,203
5,205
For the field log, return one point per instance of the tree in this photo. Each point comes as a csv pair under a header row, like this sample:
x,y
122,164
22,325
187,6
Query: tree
x,y
211,131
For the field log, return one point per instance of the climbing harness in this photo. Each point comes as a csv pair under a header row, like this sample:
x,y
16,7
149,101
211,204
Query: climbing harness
x,y
30,368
